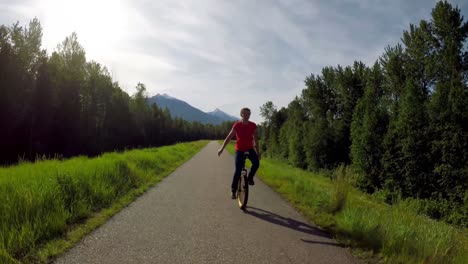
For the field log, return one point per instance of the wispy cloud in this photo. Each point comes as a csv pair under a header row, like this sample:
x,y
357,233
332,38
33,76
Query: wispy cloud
x,y
225,54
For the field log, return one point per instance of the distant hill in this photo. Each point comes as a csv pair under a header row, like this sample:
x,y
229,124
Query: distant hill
x,y
218,113
179,108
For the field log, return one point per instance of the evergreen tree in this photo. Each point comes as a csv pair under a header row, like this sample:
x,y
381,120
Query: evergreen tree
x,y
318,104
411,178
449,104
69,76
367,129
277,120
43,105
350,83
296,118
267,110
393,66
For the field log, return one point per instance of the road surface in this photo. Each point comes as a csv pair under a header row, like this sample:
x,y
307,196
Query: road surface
x,y
189,217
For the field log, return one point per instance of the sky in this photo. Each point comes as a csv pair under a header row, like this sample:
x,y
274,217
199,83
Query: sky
x,y
221,53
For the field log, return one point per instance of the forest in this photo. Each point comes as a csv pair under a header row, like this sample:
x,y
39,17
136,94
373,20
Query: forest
x,y
398,128
63,105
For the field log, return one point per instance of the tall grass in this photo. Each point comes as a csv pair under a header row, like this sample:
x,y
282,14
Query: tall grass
x,y
41,201
396,233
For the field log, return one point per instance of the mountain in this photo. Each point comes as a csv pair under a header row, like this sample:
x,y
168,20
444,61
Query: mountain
x,y
222,115
179,108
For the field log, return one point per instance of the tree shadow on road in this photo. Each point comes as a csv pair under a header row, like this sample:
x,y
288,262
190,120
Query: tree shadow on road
x,y
290,223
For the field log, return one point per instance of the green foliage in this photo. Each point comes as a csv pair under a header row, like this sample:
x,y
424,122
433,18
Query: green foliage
x,y
402,125
397,233
328,102
406,161
449,104
392,62
6,258
292,134
317,144
42,200
367,130
267,110
274,129
65,105
339,196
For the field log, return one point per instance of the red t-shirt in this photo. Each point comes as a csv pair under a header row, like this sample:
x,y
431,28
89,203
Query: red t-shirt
x,y
244,135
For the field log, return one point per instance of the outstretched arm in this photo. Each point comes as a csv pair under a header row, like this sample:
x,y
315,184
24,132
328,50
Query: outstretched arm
x,y
226,141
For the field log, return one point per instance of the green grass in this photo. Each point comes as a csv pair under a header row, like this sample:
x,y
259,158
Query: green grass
x,y
395,234
48,205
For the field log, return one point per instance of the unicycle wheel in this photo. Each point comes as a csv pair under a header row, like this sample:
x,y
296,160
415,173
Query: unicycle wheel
x,y
243,191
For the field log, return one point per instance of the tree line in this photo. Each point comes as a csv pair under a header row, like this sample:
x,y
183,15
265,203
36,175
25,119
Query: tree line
x,y
401,125
64,105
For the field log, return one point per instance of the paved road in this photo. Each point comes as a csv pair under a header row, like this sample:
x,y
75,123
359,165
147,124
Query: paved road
x,y
189,217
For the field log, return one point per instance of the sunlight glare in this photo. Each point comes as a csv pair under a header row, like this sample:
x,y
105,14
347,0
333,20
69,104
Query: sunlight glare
x,y
98,23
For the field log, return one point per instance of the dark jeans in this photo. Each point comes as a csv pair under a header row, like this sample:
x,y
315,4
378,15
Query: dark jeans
x,y
239,160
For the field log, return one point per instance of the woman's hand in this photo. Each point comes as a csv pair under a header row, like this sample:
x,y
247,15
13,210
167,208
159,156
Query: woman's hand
x,y
220,151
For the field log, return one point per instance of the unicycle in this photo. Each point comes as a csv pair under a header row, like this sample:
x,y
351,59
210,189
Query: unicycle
x,y
243,186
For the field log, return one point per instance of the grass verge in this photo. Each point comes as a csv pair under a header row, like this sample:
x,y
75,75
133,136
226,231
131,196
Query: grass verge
x,y
395,234
49,205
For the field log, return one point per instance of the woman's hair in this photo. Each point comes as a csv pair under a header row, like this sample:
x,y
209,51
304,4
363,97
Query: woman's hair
x,y
244,109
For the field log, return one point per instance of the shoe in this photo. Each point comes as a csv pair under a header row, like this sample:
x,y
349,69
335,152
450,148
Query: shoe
x,y
233,195
251,182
